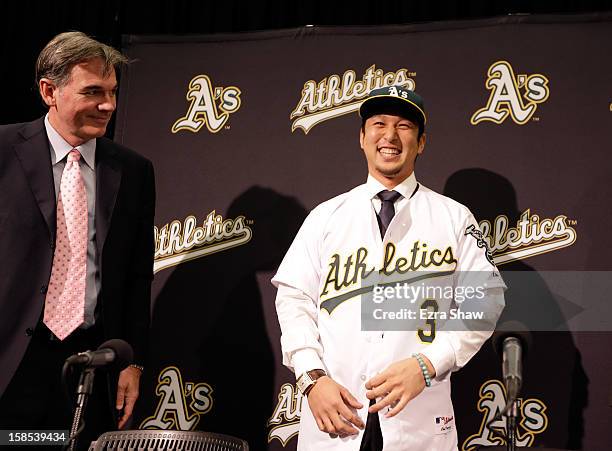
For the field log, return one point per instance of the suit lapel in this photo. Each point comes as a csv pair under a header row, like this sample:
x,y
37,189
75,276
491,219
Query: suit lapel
x,y
35,157
108,179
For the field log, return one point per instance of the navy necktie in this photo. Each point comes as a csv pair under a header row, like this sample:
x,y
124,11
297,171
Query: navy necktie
x,y
387,210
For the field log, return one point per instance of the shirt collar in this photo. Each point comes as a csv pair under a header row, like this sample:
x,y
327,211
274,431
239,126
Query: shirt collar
x,y
60,148
406,188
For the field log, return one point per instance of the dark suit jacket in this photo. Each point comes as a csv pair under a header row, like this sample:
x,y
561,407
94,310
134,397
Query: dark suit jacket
x,y
125,200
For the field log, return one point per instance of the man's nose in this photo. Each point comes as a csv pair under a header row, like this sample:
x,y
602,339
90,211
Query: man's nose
x,y
109,103
390,134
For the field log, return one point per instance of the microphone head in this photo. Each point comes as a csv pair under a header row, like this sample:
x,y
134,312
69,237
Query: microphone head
x,y
514,329
123,352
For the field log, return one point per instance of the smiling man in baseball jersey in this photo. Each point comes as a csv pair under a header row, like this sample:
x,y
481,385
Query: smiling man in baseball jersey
x,y
380,389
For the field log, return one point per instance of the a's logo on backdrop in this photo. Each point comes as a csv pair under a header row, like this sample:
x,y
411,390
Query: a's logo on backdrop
x,y
532,418
180,405
515,96
209,106
181,241
338,95
531,236
284,424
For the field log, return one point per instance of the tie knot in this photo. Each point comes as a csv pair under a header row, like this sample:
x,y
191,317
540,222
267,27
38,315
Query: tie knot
x,y
74,155
388,196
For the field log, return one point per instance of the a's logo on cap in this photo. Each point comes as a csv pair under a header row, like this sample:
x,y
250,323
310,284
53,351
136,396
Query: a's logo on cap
x,y
394,91
404,101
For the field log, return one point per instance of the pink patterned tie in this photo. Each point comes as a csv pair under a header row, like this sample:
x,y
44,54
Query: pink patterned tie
x,y
65,302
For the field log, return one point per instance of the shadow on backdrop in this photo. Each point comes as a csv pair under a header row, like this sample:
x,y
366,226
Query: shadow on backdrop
x,y
208,321
552,371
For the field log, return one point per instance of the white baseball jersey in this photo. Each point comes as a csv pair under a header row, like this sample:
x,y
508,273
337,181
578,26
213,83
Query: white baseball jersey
x,y
328,271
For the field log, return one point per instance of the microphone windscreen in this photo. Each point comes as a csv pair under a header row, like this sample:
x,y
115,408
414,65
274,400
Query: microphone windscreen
x,y
511,329
123,352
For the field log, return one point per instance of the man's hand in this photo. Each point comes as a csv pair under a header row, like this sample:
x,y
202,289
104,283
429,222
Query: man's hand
x,y
333,408
127,393
397,385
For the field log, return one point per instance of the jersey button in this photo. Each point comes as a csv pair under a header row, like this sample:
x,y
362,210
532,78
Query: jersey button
x,y
29,331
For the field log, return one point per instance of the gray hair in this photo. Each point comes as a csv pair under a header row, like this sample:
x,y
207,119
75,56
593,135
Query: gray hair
x,y
66,50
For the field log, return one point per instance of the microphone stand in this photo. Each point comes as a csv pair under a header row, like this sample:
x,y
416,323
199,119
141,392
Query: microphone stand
x,y
511,416
512,369
84,389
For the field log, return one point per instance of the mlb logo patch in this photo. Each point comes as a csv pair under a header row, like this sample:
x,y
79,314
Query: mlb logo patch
x,y
444,424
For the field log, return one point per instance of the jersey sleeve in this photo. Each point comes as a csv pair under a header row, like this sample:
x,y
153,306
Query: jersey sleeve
x,y
300,267
475,260
297,280
476,272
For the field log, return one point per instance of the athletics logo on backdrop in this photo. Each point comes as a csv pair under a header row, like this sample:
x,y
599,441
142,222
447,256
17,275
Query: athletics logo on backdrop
x,y
337,95
179,242
516,96
180,405
532,418
210,106
531,236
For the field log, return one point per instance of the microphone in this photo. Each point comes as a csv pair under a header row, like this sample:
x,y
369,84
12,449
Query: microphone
x,y
511,341
114,353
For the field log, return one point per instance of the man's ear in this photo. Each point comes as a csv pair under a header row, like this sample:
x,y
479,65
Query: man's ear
x,y
422,142
48,91
361,136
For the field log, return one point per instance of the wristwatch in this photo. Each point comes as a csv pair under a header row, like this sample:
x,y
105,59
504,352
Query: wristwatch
x,y
308,379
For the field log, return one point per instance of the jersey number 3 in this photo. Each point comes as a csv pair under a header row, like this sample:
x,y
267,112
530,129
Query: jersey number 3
x,y
428,334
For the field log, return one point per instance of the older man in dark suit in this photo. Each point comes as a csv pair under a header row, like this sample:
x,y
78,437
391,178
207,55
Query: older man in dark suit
x,y
76,247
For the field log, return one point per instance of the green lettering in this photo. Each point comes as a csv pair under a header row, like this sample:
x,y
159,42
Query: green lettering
x,y
389,254
332,275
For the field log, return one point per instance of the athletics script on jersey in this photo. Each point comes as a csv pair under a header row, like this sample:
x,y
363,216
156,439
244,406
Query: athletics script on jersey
x,y
345,273
337,95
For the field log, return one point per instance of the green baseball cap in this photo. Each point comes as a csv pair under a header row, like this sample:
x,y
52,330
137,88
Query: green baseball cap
x,y
396,99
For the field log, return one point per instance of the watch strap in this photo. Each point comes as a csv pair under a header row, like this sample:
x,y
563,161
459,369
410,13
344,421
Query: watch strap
x,y
307,380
